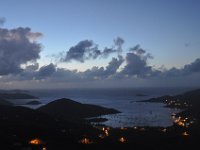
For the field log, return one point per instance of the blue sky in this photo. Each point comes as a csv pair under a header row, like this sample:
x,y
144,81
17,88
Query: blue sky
x,y
168,29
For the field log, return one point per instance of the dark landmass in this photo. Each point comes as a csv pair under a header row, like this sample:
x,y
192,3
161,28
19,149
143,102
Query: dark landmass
x,y
14,91
16,96
71,110
26,129
182,101
139,94
5,102
97,120
34,103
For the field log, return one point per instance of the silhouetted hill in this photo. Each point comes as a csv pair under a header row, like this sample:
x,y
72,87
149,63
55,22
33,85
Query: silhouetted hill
x,y
190,98
70,110
160,99
189,102
4,102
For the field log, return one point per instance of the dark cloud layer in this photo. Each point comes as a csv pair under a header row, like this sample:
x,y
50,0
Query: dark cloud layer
x,y
46,71
87,49
104,73
188,69
16,48
135,65
81,51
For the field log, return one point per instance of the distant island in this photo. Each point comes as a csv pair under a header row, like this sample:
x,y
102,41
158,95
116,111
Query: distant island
x,y
140,94
17,96
71,110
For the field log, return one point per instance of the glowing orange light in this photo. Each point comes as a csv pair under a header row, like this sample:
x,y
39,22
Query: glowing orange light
x,y
36,142
123,128
122,140
106,133
164,130
185,134
85,141
181,123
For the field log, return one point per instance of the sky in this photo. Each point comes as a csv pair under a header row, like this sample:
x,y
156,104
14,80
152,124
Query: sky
x,y
92,43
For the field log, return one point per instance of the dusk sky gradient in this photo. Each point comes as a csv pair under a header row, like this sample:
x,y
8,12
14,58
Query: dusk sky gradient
x,y
167,32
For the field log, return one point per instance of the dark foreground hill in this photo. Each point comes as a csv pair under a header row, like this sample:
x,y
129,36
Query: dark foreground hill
x,y
5,102
70,110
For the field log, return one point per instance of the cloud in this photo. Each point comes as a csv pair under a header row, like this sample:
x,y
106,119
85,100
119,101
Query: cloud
x,y
192,67
114,65
46,71
83,50
104,73
107,51
139,74
16,49
34,36
33,67
19,52
2,21
119,42
138,50
87,49
137,63
188,69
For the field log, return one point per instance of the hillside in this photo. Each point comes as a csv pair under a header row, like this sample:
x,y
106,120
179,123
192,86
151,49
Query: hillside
x,y
70,110
4,102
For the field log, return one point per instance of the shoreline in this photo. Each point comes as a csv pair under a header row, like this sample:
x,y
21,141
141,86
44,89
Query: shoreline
x,y
22,126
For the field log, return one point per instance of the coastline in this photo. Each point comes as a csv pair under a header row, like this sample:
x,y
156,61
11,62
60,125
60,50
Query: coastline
x,y
55,132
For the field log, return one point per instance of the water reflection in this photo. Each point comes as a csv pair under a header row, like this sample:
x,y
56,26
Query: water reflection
x,y
141,114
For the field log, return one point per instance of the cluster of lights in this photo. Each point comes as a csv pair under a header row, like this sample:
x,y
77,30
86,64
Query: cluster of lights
x,y
85,141
177,103
182,122
139,128
38,142
106,131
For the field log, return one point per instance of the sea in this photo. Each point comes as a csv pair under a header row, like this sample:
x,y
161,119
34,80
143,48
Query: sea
x,y
133,113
